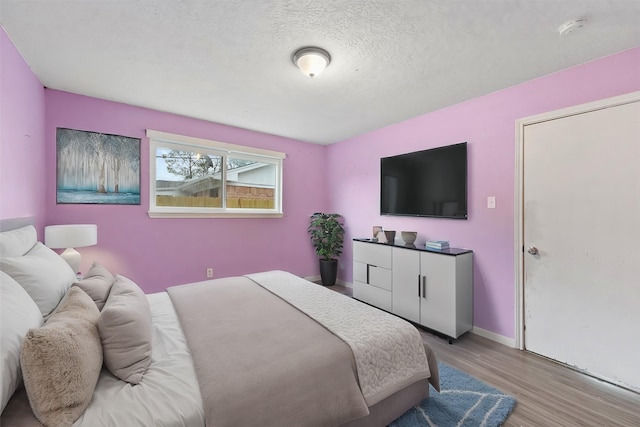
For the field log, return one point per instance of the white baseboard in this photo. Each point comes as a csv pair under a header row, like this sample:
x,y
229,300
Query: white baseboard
x,y
345,284
501,339
338,281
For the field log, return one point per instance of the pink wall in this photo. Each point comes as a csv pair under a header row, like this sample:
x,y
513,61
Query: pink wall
x,y
157,253
488,125
22,157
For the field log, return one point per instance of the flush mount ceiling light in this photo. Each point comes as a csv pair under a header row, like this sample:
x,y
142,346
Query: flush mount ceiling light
x,y
311,60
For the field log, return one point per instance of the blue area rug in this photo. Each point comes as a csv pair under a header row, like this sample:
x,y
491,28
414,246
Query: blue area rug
x,y
463,401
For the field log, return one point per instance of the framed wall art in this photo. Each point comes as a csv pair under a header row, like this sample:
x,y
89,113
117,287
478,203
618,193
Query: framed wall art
x,y
97,168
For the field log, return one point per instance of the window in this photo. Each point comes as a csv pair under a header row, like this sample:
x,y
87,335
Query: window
x,y
193,177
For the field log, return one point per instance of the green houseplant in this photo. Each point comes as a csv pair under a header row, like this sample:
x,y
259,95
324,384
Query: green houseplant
x,y
327,236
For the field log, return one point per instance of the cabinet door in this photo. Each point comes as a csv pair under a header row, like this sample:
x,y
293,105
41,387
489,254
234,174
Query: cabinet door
x,y
406,282
438,290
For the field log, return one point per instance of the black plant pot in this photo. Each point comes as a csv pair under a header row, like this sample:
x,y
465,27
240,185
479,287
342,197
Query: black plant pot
x,y
328,271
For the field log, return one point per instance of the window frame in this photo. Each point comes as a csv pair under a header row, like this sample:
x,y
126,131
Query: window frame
x,y
159,139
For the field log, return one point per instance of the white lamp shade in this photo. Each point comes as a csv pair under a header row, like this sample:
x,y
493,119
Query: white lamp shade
x,y
311,60
70,236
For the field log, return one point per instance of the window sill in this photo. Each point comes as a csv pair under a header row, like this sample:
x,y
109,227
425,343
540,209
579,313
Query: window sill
x,y
215,215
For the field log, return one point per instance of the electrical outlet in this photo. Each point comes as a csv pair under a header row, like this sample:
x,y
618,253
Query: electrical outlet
x,y
491,202
209,272
341,266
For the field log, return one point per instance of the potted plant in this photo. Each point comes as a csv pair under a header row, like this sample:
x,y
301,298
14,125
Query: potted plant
x,y
327,237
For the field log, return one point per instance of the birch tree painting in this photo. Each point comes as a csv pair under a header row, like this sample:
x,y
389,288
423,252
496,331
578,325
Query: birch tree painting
x,y
97,168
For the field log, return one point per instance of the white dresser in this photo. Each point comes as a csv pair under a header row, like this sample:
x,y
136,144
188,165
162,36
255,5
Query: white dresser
x,y
431,288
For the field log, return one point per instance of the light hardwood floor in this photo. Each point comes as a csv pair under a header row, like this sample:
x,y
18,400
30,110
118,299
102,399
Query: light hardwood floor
x,y
548,393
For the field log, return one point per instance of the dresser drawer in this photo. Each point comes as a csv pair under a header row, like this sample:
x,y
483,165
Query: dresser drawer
x,y
372,295
380,277
372,253
360,272
372,275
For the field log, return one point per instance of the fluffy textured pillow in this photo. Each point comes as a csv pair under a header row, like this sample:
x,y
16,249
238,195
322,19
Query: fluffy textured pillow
x,y
62,360
18,314
125,329
18,242
97,284
43,274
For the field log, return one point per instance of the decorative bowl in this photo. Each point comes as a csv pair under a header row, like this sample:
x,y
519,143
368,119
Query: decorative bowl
x,y
409,236
390,235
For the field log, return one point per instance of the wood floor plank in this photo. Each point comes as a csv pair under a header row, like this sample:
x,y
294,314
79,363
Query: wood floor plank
x,y
548,393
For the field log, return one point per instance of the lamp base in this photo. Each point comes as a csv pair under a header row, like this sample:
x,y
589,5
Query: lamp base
x,y
73,258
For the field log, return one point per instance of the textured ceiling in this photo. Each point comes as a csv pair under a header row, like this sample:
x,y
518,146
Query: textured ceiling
x,y
229,61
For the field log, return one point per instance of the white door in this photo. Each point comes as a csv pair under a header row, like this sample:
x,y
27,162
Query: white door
x,y
581,212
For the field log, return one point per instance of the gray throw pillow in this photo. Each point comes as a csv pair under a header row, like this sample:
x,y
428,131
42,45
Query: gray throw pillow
x,y
97,284
62,360
125,329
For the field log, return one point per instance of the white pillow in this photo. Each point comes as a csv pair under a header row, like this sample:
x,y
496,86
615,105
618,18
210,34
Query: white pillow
x,y
18,314
43,274
17,242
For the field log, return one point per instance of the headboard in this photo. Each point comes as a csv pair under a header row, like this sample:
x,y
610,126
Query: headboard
x,y
13,223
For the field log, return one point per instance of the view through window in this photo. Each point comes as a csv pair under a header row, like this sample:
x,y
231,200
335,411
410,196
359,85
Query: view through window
x,y
203,179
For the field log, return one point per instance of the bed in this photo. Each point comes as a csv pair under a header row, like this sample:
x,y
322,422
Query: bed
x,y
263,349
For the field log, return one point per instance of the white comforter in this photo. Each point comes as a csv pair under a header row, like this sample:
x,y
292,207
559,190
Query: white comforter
x,y
169,393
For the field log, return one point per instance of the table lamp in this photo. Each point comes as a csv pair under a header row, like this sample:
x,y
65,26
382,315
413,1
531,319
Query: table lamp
x,y
71,236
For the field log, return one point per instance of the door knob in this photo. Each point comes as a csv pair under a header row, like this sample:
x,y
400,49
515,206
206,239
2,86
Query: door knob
x,y
533,250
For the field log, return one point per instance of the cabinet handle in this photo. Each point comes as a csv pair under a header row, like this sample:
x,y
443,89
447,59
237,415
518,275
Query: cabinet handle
x,y
424,287
419,286
368,273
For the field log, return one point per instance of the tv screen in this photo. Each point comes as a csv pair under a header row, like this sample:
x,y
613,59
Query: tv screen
x,y
431,183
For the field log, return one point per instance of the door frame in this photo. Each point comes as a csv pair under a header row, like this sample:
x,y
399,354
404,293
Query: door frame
x,y
519,191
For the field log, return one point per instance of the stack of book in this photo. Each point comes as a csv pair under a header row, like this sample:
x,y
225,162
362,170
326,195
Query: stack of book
x,y
437,244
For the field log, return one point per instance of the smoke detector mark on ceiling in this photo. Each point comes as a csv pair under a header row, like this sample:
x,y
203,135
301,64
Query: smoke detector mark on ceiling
x,y
571,25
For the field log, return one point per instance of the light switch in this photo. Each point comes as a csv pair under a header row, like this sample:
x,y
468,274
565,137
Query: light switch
x,y
491,202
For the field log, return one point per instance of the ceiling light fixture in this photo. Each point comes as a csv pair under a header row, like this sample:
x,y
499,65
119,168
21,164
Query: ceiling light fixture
x,y
311,60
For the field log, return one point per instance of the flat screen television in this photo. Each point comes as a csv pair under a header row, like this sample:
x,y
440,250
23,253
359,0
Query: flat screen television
x,y
430,183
